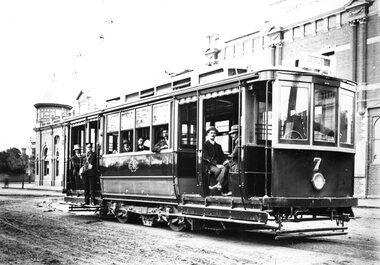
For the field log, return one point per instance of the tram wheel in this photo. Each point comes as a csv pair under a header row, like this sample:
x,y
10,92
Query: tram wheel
x,y
103,211
122,215
177,224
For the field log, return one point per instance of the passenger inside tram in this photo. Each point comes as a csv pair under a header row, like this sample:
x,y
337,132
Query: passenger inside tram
x,y
163,141
141,144
127,147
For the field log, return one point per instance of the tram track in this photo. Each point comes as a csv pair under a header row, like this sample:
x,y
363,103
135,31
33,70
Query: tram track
x,y
57,248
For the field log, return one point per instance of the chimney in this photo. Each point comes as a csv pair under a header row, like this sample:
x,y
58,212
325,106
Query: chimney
x,y
213,50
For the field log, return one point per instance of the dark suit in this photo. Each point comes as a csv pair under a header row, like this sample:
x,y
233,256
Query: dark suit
x,y
76,163
89,176
214,155
142,148
157,147
234,156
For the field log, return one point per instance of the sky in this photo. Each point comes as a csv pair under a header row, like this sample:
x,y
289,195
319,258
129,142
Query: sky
x,y
50,50
53,49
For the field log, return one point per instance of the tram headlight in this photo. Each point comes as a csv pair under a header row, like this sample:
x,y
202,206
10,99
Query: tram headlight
x,y
318,181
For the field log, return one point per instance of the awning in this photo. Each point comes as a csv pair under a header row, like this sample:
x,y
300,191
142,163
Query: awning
x,y
76,124
221,93
83,122
187,100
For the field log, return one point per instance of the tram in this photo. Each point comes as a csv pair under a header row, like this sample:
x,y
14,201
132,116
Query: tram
x,y
295,154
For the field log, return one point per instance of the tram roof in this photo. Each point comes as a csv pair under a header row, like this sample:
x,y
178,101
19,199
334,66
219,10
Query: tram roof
x,y
253,75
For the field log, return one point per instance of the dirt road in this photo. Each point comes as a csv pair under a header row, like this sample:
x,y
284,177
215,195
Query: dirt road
x,y
38,230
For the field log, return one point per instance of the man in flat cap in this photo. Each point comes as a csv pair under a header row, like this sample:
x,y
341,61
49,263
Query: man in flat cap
x,y
233,162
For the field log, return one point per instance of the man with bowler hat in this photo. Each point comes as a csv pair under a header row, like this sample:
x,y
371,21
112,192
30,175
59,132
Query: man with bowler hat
x,y
215,159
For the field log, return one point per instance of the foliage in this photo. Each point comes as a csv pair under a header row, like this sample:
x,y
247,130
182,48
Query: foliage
x,y
12,161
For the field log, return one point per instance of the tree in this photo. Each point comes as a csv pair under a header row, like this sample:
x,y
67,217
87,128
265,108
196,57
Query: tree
x,y
32,164
4,168
16,161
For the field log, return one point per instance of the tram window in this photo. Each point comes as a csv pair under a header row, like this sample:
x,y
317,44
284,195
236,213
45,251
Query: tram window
x,y
324,114
346,131
126,141
143,122
126,130
222,112
188,125
161,120
261,122
222,138
144,133
112,143
294,113
113,122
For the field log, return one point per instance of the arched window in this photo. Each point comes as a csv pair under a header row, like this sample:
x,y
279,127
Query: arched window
x,y
46,162
376,140
37,165
57,163
56,150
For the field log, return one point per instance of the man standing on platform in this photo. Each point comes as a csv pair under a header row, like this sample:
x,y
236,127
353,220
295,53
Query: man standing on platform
x,y
76,163
89,174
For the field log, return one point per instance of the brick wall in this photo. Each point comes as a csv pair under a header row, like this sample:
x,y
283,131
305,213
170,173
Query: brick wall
x,y
374,181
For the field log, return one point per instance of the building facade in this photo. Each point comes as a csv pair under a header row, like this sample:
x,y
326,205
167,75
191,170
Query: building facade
x,y
49,162
349,36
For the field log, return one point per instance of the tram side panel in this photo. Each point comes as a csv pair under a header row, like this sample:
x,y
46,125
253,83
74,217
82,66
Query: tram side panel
x,y
186,172
293,171
258,170
145,174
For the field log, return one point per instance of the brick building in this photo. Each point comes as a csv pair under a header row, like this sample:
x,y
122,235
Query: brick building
x,y
346,32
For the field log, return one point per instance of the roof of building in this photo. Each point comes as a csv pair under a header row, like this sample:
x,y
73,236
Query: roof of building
x,y
56,105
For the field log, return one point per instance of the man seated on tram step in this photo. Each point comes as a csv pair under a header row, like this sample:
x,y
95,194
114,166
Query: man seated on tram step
x,y
216,162
233,161
163,142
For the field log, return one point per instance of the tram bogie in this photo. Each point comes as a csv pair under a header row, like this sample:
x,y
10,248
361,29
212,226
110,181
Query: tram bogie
x,y
295,153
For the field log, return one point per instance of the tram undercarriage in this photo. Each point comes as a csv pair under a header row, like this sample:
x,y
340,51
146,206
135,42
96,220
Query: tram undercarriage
x,y
219,213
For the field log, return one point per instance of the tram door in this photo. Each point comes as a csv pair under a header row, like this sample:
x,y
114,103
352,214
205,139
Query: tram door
x,y
77,138
220,112
81,134
257,139
187,153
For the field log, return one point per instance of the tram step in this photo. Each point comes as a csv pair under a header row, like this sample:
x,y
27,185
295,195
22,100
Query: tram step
x,y
231,202
313,232
84,208
224,212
